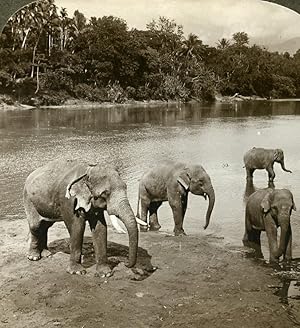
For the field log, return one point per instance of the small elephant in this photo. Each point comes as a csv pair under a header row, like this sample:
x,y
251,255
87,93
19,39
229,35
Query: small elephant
x,y
172,181
266,210
74,192
261,158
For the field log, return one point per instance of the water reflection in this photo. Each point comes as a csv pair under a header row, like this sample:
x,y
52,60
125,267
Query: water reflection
x,y
96,118
251,188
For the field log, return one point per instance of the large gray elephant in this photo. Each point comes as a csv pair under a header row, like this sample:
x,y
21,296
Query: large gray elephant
x,y
261,158
266,210
172,181
74,192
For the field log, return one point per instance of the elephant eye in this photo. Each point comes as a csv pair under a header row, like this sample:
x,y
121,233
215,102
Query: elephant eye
x,y
96,197
104,194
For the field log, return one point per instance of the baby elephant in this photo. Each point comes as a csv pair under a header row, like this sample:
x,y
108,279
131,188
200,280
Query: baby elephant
x,y
261,158
266,210
172,181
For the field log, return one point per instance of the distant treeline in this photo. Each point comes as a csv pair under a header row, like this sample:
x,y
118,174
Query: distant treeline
x,y
47,57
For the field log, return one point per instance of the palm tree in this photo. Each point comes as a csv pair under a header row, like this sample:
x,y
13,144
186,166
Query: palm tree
x,y
223,44
240,39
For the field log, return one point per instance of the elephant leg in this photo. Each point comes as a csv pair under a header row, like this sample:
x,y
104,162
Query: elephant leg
x,y
249,172
271,231
288,254
76,227
38,227
145,204
184,200
99,235
44,226
271,173
254,241
176,206
153,219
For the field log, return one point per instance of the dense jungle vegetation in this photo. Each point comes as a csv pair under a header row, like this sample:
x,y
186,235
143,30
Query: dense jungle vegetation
x,y
47,57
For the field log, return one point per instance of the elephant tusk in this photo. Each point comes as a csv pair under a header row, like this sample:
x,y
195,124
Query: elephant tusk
x,y
204,196
115,223
119,229
139,221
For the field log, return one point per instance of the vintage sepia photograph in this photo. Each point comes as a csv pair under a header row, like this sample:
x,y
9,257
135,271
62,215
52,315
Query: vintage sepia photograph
x,y
150,164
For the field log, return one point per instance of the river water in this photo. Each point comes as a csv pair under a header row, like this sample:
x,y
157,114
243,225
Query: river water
x,y
135,138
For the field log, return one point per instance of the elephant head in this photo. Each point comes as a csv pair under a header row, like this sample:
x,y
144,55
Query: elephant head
x,y
195,179
103,188
279,158
279,203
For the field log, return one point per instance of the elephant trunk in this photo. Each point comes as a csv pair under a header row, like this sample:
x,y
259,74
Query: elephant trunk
x,y
124,212
211,196
284,239
283,166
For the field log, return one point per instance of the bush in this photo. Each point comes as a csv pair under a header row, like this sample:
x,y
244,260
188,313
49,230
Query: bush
x,y
173,88
115,93
283,87
7,100
6,82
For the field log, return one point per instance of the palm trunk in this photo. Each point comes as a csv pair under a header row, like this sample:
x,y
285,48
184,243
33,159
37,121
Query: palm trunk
x,y
211,196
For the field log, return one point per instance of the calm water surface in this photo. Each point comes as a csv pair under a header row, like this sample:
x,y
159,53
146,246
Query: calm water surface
x,y
134,139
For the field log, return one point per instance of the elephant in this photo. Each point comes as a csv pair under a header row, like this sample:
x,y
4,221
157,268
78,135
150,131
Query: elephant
x,y
74,191
266,210
172,181
261,158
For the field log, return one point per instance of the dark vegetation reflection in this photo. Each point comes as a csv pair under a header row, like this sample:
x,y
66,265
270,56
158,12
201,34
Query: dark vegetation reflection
x,y
96,118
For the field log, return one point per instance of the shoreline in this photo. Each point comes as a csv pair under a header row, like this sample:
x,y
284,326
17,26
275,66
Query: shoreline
x,y
75,104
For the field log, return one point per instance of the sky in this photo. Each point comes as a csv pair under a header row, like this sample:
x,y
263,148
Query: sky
x,y
211,20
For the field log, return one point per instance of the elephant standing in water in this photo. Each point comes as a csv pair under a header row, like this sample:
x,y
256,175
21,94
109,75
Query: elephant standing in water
x,y
266,210
172,181
74,192
261,158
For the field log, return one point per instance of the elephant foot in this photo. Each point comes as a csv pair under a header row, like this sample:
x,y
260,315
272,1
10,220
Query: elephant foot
x,y
103,270
179,232
76,269
273,261
154,227
46,253
143,228
246,243
34,255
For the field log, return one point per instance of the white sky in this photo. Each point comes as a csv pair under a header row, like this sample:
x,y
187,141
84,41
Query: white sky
x,y
209,19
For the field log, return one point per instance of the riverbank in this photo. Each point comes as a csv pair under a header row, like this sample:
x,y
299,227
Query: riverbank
x,y
199,281
6,103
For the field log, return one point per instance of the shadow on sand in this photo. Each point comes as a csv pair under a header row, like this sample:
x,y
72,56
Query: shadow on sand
x,y
116,254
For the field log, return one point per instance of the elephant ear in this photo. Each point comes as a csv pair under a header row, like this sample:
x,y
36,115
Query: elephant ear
x,y
266,204
278,154
79,189
184,179
294,206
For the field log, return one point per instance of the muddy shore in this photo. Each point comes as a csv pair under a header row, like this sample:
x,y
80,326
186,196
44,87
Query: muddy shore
x,y
190,281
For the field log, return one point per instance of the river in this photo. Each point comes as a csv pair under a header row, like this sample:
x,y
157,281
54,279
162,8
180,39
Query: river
x,y
135,138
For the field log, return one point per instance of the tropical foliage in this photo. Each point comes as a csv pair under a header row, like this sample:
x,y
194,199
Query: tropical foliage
x,y
47,57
